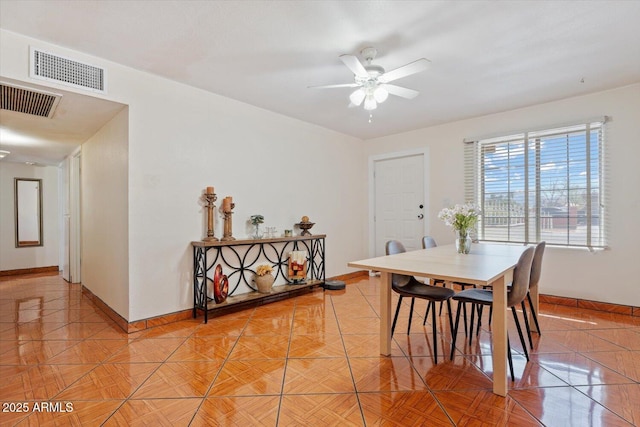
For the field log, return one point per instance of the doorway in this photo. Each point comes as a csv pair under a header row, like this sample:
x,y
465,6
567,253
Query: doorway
x,y
74,223
399,195
71,226
84,115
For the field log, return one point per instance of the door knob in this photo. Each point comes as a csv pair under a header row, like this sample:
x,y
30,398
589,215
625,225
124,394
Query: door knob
x,y
420,216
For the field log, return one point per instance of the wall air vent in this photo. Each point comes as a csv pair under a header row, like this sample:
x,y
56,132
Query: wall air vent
x,y
28,101
55,68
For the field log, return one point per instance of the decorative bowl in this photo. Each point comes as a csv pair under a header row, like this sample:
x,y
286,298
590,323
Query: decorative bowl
x,y
305,227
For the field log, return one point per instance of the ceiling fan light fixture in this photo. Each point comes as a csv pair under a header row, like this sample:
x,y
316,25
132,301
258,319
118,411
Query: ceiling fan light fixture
x,y
372,81
357,97
370,103
380,94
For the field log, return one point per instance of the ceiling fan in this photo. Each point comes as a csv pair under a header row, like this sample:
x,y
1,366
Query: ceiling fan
x,y
373,82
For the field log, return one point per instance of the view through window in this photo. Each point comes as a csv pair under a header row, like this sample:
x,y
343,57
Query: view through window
x,y
540,185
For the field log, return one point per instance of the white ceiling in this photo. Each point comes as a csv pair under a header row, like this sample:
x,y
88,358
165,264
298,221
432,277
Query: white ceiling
x,y
45,141
486,56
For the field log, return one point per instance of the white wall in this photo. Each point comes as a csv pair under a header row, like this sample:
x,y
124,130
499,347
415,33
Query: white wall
x,y
12,258
609,276
181,140
272,165
104,214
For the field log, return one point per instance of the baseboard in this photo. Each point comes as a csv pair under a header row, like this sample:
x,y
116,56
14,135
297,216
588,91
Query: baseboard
x,y
35,270
111,313
141,325
138,325
552,299
591,305
349,276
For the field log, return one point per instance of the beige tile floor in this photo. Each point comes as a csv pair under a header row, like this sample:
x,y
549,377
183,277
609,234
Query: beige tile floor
x,y
308,361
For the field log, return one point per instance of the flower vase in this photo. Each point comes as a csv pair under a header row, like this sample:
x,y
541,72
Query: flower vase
x,y
264,283
257,234
463,241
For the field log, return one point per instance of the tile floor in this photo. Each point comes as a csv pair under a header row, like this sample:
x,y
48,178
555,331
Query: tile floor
x,y
308,361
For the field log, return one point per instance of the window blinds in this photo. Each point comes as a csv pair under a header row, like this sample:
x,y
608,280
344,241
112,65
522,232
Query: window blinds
x,y
541,185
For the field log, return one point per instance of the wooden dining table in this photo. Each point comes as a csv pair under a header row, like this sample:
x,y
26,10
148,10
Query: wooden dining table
x,y
486,264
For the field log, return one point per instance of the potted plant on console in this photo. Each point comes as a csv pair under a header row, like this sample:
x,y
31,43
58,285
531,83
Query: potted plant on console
x,y
264,278
256,220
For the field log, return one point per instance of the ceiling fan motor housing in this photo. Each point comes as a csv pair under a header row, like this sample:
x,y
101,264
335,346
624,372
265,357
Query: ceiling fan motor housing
x,y
374,70
369,53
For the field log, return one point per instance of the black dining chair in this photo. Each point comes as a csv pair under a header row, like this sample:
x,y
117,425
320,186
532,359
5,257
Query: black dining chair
x,y
409,286
536,270
482,297
430,242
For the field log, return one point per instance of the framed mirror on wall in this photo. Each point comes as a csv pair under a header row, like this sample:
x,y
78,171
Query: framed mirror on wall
x,y
28,212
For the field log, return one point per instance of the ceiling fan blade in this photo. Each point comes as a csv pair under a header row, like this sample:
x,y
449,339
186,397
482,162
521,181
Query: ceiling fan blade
x,y
401,91
334,86
406,70
355,66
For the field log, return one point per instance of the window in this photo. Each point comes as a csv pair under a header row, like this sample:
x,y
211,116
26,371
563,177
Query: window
x,y
540,185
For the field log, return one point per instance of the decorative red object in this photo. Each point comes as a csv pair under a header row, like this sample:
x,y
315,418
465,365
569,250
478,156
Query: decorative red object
x,y
220,285
217,274
297,266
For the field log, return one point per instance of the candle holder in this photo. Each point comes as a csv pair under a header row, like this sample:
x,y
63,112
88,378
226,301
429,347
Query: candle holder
x,y
209,199
228,234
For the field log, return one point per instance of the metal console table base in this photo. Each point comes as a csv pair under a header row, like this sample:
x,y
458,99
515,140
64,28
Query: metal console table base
x,y
239,259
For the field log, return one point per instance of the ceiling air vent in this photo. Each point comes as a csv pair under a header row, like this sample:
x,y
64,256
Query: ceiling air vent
x,y
28,101
47,66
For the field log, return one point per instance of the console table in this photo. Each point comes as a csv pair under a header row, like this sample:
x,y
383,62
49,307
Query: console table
x,y
239,259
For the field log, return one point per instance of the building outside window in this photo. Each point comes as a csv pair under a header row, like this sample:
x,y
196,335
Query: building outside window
x,y
540,185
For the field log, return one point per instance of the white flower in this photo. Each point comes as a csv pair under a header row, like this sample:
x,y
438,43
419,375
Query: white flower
x,y
460,217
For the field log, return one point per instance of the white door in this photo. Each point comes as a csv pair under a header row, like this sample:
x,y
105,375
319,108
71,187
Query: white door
x,y
74,220
66,221
66,271
399,201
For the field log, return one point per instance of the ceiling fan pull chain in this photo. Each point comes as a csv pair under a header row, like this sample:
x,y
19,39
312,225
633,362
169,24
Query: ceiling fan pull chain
x,y
370,117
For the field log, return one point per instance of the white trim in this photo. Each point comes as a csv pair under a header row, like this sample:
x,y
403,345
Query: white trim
x,y
601,119
76,152
75,223
424,152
